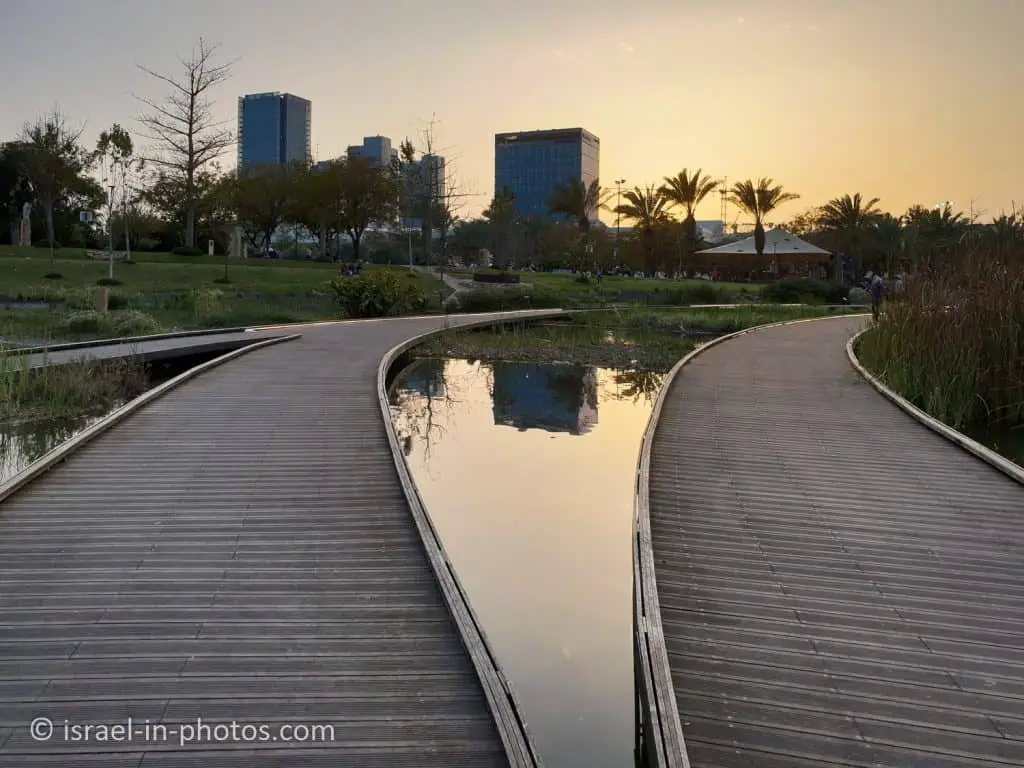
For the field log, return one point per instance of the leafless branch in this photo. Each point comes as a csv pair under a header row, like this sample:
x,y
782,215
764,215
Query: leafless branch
x,y
185,137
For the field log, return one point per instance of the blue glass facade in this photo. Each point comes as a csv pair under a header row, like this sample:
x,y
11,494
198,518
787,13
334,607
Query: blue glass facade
x,y
376,149
531,164
274,128
551,397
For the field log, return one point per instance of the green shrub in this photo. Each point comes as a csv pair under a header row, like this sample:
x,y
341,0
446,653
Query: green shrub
x,y
108,281
379,293
796,290
117,301
184,251
697,293
131,322
87,321
486,300
45,244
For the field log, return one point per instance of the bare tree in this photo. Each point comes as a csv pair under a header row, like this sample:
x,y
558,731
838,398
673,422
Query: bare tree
x,y
54,159
185,135
440,197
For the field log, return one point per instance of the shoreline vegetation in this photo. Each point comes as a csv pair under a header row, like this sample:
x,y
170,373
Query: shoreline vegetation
x,y
71,390
159,293
951,344
636,338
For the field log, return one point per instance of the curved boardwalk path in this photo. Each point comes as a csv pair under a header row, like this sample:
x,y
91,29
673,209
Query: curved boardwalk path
x,y
839,585
240,549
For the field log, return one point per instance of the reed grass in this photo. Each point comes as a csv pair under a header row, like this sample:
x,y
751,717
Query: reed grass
x,y
634,337
67,390
953,342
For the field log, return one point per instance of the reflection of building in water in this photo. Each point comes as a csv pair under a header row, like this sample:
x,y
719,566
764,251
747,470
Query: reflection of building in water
x,y
555,398
426,378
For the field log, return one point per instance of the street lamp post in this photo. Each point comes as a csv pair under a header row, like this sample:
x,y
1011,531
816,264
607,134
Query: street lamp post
x,y
110,229
618,203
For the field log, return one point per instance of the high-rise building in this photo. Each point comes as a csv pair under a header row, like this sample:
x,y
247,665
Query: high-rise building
x,y
377,149
424,179
531,164
274,128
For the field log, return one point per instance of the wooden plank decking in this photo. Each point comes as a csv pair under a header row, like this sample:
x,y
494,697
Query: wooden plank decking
x,y
239,550
838,584
149,349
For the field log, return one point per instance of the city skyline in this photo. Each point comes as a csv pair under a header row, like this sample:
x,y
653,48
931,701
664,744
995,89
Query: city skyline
x,y
901,100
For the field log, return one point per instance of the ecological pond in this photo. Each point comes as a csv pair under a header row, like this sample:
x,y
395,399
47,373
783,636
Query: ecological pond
x,y
527,470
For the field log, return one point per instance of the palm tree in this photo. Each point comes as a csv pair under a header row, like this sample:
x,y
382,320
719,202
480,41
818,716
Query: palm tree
x,y
851,217
887,236
687,191
647,207
579,202
933,230
758,201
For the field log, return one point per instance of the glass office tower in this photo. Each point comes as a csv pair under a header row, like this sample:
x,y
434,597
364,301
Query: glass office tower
x,y
531,164
274,128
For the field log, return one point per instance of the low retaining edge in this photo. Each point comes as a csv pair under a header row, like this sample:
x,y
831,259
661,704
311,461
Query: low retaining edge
x,y
499,691
1004,465
65,449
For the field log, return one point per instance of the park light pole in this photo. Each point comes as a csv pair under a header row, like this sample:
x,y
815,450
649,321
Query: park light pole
x,y
110,227
618,203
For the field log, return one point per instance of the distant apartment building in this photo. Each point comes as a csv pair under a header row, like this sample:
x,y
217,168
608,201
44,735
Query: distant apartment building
x,y
274,128
423,179
532,164
377,149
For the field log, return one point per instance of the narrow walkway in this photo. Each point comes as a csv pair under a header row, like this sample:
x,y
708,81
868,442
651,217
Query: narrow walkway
x,y
149,350
839,585
239,550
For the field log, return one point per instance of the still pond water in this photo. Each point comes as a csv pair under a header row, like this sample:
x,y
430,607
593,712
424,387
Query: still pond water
x,y
527,471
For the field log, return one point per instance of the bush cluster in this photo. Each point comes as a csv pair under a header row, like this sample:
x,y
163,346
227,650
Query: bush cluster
x,y
804,290
378,293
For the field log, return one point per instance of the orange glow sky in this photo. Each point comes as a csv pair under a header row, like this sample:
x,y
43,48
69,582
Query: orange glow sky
x,y
907,100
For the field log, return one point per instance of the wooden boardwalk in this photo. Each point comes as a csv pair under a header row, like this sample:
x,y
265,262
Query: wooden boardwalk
x,y
150,350
838,584
239,550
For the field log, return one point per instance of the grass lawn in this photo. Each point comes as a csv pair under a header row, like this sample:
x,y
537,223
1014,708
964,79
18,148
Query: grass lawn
x,y
571,290
162,292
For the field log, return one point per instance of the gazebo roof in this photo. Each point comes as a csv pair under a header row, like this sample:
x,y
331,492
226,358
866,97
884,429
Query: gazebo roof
x,y
777,242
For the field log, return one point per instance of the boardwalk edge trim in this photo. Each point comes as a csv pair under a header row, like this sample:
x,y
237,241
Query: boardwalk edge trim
x,y
982,452
661,725
61,453
498,689
73,345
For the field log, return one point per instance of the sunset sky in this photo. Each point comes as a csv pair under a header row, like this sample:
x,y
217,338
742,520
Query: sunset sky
x,y
912,101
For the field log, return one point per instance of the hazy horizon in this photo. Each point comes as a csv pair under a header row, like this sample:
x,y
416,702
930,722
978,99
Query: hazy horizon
x,y
906,100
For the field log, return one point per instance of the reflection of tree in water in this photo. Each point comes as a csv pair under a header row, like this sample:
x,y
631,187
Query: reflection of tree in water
x,y
422,394
635,384
22,444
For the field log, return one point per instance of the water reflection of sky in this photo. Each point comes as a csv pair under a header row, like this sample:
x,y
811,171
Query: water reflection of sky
x,y
536,519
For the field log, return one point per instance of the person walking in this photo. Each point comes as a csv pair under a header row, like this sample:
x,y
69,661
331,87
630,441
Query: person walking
x,y
877,291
